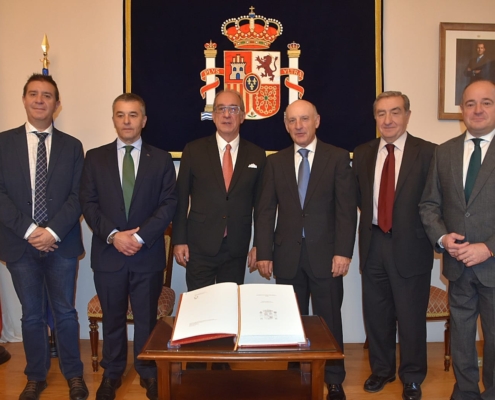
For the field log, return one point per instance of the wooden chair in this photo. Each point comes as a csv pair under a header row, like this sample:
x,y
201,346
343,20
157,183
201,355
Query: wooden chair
x,y
165,303
438,309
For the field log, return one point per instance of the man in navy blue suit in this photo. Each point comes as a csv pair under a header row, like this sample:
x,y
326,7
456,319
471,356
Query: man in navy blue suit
x,y
40,234
128,247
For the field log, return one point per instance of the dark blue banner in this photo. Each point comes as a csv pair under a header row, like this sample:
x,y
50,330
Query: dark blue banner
x,y
328,51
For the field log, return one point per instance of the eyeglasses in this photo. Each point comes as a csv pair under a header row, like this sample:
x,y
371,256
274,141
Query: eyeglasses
x,y
231,109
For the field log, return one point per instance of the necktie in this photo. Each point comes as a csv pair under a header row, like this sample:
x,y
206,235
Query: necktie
x,y
473,169
128,178
227,166
387,191
228,171
303,176
40,209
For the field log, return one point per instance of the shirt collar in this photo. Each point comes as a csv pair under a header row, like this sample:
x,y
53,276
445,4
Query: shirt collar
x,y
137,144
311,147
400,143
221,142
488,137
30,129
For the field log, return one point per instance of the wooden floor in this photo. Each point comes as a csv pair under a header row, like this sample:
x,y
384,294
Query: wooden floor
x,y
438,383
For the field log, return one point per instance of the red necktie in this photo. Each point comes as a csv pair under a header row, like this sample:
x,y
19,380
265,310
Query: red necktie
x,y
228,170
387,191
227,166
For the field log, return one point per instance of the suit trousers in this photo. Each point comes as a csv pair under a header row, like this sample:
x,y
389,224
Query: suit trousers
x,y
326,298
202,270
469,299
390,300
38,276
115,290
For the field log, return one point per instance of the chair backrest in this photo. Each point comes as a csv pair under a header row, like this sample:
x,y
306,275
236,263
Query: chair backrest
x,y
169,257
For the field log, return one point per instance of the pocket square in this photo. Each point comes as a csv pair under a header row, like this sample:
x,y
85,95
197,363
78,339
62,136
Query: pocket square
x,y
252,166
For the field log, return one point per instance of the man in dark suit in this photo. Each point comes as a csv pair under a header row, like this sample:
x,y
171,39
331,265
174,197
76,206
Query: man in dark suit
x,y
395,254
218,186
40,234
311,246
459,217
128,199
479,66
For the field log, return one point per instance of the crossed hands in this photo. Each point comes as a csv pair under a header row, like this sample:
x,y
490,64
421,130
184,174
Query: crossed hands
x,y
468,253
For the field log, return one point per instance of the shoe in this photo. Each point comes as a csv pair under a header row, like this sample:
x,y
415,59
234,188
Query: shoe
x,y
412,391
77,388
335,392
4,355
151,387
107,388
33,390
376,383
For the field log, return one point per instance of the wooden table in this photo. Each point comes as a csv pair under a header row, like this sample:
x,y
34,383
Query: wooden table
x,y
304,383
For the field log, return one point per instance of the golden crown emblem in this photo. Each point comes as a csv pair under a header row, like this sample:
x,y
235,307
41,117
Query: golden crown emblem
x,y
252,31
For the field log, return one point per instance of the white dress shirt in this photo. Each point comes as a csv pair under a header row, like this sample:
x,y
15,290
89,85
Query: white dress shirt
x,y
399,145
298,157
136,155
234,147
469,148
32,143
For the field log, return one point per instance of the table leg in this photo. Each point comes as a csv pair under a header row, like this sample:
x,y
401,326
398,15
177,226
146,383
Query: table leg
x,y
164,380
317,379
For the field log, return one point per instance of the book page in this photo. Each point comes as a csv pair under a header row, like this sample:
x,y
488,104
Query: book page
x,y
207,311
269,316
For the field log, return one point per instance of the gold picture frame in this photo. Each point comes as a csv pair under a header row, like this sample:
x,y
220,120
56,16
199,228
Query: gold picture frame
x,y
459,43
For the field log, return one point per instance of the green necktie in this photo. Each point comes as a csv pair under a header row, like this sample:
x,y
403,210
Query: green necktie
x,y
128,178
473,169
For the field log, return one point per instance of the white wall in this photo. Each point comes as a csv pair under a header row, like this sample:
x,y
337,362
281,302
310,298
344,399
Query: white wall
x,y
86,55
86,61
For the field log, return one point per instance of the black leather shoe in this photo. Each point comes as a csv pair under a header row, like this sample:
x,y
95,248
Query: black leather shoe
x,y
33,390
107,388
4,355
335,392
151,387
376,383
412,391
77,388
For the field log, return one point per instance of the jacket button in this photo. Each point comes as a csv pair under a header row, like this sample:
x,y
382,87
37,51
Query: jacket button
x,y
467,215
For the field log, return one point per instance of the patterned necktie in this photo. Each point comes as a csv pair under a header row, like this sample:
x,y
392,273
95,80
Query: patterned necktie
x,y
303,176
387,191
40,209
227,166
128,178
473,169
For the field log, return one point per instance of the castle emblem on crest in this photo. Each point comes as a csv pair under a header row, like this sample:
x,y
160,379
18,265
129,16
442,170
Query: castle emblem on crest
x,y
252,69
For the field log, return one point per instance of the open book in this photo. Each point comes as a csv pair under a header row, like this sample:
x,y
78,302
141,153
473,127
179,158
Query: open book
x,y
256,314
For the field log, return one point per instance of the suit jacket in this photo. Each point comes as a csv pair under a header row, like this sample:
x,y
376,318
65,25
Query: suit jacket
x,y
412,249
152,206
444,210
16,207
212,207
328,216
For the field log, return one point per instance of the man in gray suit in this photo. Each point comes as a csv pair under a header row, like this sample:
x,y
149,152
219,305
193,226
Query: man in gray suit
x,y
458,214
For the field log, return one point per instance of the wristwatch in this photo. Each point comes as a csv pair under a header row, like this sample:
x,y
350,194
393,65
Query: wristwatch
x,y
111,237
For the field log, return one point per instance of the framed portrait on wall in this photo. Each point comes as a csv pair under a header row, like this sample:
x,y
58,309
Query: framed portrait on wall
x,y
467,54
